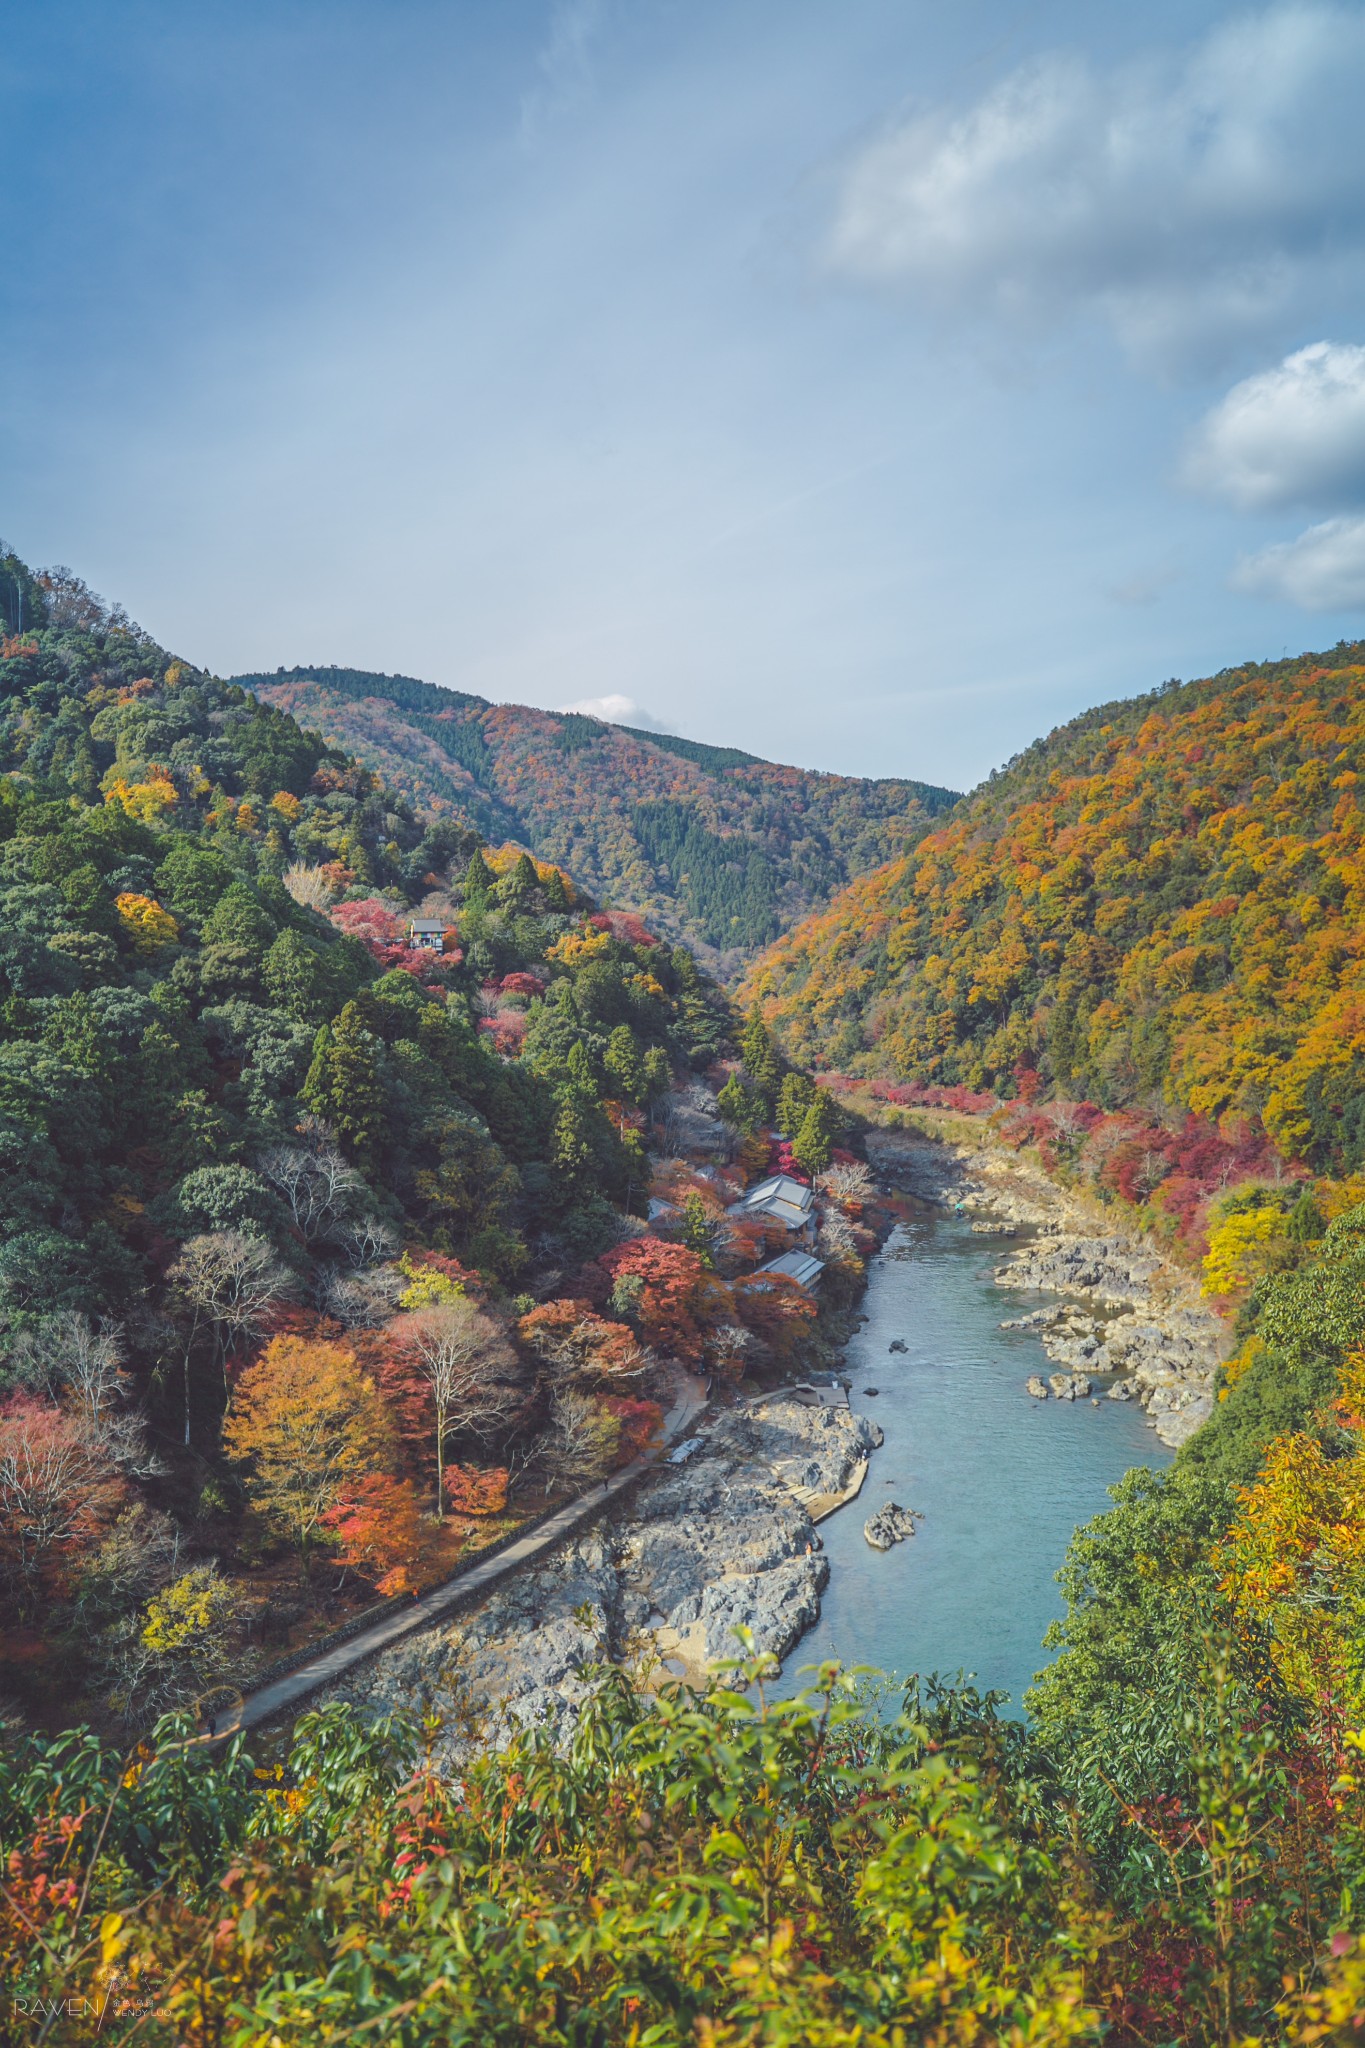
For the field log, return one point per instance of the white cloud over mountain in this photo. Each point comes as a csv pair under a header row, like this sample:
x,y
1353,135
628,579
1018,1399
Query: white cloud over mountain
x,y
1189,201
1322,571
1293,435
617,710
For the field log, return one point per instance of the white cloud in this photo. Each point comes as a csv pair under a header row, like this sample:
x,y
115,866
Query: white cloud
x,y
1322,571
564,64
1189,201
617,710
1291,435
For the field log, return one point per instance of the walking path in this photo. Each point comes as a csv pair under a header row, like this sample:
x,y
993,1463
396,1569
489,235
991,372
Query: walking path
x,y
434,1606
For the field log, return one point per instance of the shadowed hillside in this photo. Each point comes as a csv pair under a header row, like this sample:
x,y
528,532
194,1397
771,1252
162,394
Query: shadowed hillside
x,y
719,848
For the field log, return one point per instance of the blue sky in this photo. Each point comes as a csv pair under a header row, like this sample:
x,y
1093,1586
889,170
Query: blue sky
x,y
872,385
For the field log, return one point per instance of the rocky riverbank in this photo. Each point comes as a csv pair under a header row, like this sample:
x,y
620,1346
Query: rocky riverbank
x,y
1126,1324
727,1539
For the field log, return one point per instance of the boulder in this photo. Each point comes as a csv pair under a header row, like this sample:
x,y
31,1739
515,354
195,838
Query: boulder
x,y
898,1344
890,1524
1037,1386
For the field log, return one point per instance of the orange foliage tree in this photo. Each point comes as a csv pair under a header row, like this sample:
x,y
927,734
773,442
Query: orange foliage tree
x,y
776,1308
667,1292
642,1424
379,1531
477,1490
572,1342
306,1425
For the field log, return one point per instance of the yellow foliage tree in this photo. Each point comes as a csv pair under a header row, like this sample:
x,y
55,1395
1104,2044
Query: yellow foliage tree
x,y
1293,1562
143,800
576,947
306,1423
146,923
1239,1250
427,1286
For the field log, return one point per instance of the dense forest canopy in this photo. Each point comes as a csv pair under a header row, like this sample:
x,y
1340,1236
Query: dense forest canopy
x,y
1160,905
266,1160
719,848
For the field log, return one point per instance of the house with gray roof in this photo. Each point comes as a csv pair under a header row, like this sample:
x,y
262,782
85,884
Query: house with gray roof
x,y
802,1267
779,1199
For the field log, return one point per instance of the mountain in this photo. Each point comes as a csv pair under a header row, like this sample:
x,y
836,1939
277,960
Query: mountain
x,y
715,846
1161,904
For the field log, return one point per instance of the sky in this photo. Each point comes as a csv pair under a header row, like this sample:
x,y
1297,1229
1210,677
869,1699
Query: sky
x,y
867,383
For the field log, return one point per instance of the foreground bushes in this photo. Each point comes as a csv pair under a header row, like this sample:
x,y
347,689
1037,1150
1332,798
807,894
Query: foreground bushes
x,y
711,1868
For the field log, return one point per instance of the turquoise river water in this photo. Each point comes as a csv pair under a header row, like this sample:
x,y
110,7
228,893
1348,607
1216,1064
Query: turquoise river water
x,y
1001,1480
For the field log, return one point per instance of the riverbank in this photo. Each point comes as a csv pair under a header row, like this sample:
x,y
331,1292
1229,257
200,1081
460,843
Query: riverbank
x,y
726,1540
1123,1319
730,1538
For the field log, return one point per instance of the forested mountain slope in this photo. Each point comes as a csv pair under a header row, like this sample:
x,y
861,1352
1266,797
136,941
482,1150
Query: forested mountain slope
x,y
270,1172
1162,904
719,848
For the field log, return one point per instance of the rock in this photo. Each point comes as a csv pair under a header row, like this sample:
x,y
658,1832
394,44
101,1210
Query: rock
x,y
872,1390
898,1344
1063,1386
725,1540
1037,1386
891,1524
1122,1390
1081,1387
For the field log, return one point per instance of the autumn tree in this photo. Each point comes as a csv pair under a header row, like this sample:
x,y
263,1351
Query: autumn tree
x,y
228,1283
306,1424
778,1309
571,1342
451,1373
666,1290
58,1495
379,1530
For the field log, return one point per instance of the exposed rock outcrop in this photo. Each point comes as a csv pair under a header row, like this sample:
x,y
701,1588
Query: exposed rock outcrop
x,y
727,1540
889,1525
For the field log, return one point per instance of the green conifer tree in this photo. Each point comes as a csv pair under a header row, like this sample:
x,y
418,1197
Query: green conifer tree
x,y
345,1084
479,879
624,1065
793,1100
813,1145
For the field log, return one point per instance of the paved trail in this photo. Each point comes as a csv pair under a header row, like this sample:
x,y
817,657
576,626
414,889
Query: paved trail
x,y
273,1699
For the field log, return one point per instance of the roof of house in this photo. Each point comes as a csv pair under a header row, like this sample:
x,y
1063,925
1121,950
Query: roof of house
x,y
797,1266
784,1199
428,924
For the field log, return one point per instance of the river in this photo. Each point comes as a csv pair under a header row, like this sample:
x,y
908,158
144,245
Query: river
x,y
1002,1481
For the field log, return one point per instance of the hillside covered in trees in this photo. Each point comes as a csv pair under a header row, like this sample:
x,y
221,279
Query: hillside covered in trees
x,y
1160,906
717,847
318,1245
